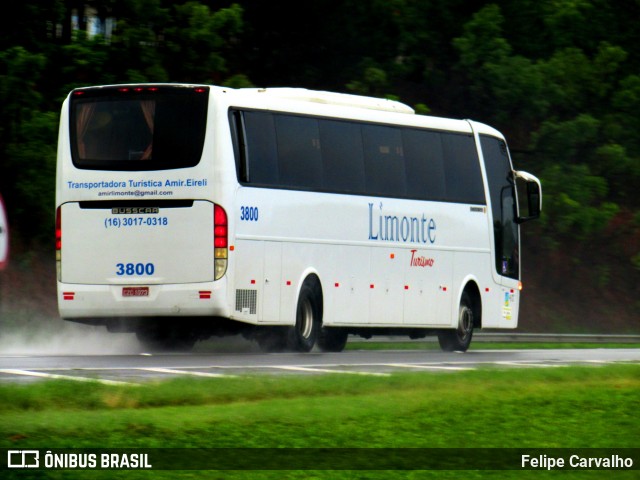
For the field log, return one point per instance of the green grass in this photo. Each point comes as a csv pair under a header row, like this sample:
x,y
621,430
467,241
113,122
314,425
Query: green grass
x,y
572,407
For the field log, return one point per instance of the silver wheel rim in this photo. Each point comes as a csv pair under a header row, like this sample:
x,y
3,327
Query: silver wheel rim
x,y
465,323
306,319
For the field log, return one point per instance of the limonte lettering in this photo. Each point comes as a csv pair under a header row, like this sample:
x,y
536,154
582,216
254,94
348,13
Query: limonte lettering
x,y
394,228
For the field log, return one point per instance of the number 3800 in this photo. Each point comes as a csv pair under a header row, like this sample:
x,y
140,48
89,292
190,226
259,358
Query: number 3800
x,y
135,269
249,214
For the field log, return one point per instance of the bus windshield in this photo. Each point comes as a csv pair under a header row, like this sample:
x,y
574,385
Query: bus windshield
x,y
143,128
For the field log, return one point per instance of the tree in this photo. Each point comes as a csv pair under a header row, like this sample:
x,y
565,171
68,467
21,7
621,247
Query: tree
x,y
20,101
196,42
32,167
134,54
501,86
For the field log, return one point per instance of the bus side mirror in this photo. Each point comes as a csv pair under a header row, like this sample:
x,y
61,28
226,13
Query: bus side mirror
x,y
529,193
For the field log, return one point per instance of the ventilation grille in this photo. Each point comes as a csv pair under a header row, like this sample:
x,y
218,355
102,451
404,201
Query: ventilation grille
x,y
246,301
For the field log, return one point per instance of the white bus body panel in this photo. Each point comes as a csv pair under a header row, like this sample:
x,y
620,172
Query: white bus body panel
x,y
171,246
368,277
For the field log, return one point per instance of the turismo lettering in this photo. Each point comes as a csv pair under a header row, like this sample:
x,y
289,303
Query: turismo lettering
x,y
420,261
394,228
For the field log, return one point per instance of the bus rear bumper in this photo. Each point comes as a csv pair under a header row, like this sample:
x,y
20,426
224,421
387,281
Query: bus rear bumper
x,y
76,302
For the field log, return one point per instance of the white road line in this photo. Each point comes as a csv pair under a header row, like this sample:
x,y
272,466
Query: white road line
x,y
326,370
31,373
525,364
426,367
186,372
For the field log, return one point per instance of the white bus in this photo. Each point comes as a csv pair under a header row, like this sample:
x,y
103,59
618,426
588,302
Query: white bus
x,y
294,217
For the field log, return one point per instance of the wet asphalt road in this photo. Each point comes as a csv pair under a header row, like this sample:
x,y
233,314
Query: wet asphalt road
x,y
144,366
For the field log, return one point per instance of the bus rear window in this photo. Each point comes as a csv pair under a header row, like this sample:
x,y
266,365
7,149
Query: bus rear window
x,y
142,128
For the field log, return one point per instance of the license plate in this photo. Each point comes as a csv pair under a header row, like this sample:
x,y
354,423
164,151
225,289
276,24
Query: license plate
x,y
135,291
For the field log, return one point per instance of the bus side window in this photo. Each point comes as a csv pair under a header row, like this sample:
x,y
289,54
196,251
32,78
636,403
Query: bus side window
x,y
240,147
299,158
462,169
384,160
425,164
342,156
261,143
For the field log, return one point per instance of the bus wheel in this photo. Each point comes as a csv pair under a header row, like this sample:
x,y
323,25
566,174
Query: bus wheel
x,y
302,337
332,339
458,340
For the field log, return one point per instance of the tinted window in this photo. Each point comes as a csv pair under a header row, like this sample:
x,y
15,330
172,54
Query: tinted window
x,y
299,159
309,153
424,161
384,161
463,177
501,190
127,129
342,156
261,148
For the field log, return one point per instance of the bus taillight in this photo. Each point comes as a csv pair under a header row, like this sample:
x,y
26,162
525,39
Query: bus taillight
x,y
58,229
220,241
58,239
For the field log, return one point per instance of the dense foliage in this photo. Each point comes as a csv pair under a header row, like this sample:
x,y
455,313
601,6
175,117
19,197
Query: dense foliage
x,y
558,77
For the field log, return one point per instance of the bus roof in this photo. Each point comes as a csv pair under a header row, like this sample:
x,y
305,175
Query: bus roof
x,y
349,104
333,98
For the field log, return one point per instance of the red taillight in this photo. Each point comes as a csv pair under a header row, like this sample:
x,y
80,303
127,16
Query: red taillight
x,y
58,229
220,241
220,228
220,237
219,216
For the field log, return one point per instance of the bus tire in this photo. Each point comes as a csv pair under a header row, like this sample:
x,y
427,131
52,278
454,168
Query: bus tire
x,y
458,340
332,339
304,334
